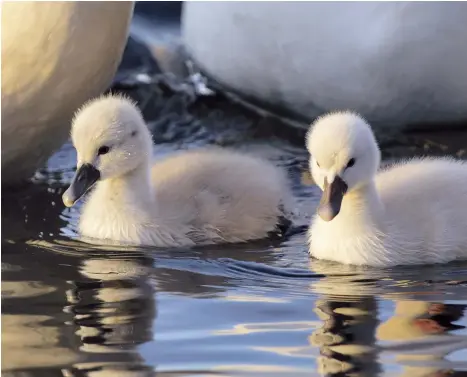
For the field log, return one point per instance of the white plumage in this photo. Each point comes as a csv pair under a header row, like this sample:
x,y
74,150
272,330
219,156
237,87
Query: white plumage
x,y
206,196
413,212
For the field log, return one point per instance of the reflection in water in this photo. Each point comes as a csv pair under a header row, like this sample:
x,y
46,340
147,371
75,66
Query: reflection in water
x,y
75,316
225,310
349,312
28,341
420,333
346,340
75,310
109,299
33,335
114,311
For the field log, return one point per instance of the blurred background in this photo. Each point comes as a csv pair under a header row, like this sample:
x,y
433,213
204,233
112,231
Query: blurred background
x,y
401,65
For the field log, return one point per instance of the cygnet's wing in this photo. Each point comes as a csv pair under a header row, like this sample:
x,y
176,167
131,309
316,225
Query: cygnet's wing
x,y
235,196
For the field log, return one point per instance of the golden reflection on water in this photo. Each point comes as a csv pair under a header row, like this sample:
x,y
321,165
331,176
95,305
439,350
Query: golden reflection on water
x,y
93,326
353,341
27,341
24,289
114,314
31,340
346,339
418,334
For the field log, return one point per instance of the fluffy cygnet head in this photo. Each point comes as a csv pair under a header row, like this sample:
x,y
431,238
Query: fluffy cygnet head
x,y
111,140
344,157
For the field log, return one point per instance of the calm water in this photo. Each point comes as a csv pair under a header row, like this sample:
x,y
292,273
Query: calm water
x,y
262,309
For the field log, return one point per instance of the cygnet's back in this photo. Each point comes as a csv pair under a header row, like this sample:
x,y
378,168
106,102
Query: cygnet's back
x,y
425,204
229,195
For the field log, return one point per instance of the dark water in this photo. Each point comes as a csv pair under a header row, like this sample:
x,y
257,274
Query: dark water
x,y
261,309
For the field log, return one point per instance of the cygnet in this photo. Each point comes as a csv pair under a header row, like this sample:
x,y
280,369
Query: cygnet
x,y
205,196
413,212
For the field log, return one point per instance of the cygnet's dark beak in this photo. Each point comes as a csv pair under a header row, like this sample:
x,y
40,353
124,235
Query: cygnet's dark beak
x,y
331,201
84,179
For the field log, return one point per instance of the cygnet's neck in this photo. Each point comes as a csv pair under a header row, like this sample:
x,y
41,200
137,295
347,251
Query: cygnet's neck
x,y
133,187
363,206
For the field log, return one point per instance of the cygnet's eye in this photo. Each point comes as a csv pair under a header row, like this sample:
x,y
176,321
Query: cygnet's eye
x,y
103,150
350,163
